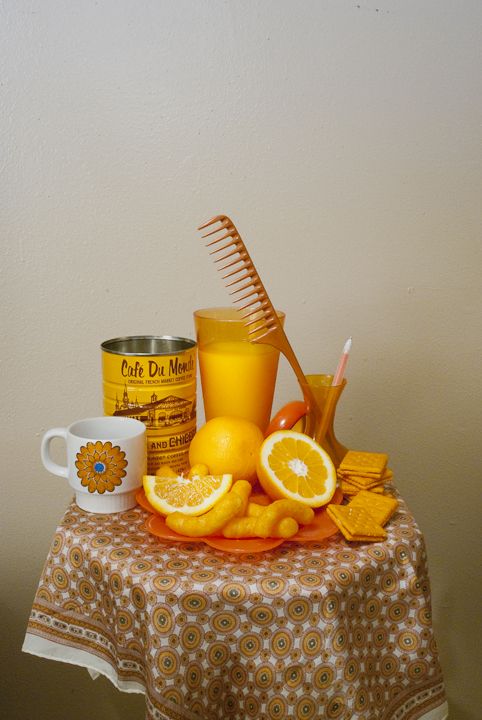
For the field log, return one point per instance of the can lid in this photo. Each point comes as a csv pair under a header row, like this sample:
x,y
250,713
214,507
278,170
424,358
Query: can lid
x,y
147,345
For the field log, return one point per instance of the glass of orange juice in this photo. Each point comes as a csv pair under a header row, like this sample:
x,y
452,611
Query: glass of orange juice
x,y
237,377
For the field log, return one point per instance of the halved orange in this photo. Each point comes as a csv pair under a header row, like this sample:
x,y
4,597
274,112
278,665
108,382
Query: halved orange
x,y
292,465
190,495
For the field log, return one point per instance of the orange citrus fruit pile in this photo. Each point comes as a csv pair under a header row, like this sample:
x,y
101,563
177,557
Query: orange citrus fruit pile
x,y
228,445
291,465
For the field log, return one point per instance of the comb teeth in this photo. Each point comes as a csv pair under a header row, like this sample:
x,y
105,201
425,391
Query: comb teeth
x,y
238,280
223,219
253,291
260,317
264,307
233,273
241,287
232,264
232,251
259,320
221,247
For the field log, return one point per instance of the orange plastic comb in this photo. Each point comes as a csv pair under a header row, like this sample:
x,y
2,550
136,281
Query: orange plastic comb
x,y
259,315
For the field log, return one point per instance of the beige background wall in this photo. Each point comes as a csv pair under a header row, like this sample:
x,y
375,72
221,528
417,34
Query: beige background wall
x,y
344,138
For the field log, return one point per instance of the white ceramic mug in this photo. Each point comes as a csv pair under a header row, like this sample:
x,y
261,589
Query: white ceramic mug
x,y
106,459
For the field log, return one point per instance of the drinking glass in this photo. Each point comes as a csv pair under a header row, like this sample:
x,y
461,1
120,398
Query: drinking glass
x,y
238,377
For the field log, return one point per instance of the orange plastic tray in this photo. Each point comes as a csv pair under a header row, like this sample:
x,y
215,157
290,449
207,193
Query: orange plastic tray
x,y
322,527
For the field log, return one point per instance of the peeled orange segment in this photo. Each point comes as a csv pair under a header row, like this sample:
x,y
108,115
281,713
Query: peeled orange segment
x,y
192,496
292,465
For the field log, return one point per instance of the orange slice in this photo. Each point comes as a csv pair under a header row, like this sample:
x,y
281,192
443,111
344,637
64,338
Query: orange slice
x,y
190,495
292,465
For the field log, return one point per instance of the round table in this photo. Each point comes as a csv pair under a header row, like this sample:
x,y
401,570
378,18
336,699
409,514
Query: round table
x,y
326,629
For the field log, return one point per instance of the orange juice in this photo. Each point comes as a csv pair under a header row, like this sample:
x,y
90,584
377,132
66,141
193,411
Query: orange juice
x,y
238,378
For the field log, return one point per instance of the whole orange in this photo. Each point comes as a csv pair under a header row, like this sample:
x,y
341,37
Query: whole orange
x,y
228,445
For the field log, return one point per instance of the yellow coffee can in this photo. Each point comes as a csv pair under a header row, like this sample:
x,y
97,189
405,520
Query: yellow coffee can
x,y
153,379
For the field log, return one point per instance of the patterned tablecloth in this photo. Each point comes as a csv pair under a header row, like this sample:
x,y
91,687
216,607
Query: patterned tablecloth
x,y
320,630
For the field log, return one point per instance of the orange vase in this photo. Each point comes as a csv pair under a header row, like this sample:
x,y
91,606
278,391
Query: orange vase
x,y
327,396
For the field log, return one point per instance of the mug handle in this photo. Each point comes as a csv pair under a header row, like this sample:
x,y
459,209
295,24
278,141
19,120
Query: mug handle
x,y
49,464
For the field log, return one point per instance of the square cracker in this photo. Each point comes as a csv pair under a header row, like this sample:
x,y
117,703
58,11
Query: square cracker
x,y
355,523
364,462
377,489
362,538
349,489
362,483
366,476
380,507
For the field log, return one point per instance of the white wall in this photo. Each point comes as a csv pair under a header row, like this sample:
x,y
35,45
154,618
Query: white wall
x,y
344,138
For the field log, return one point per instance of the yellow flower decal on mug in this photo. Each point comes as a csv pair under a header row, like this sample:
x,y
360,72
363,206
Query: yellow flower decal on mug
x,y
100,466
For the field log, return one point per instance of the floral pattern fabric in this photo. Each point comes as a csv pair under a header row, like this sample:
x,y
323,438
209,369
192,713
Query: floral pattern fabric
x,y
319,630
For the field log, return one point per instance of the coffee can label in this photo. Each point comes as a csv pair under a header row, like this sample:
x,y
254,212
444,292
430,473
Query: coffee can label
x,y
153,379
